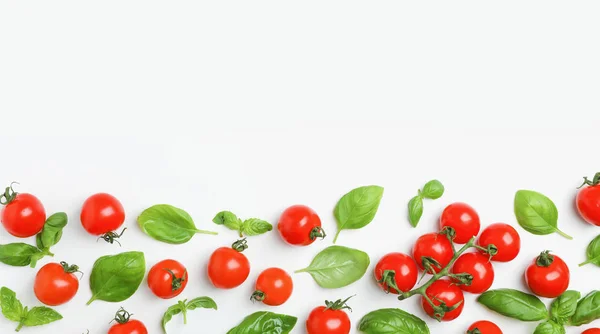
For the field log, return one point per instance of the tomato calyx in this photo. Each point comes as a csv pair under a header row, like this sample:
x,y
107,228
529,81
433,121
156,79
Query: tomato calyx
x,y
545,259
240,245
338,305
111,237
71,269
388,279
258,296
430,265
463,278
317,232
176,282
122,316
594,182
474,331
9,194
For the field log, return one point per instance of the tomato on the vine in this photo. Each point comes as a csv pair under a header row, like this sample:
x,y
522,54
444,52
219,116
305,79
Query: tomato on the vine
x,y
588,200
273,287
548,275
591,331
480,269
22,214
167,279
102,214
125,325
484,327
432,246
56,284
447,295
463,219
300,225
396,271
228,267
329,319
506,241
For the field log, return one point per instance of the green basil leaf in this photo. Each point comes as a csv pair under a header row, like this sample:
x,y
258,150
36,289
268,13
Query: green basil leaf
x,y
588,309
168,224
392,321
563,307
337,266
255,226
536,213
549,327
230,220
593,252
415,210
52,231
201,302
171,311
514,304
11,306
433,189
265,323
41,315
17,254
357,208
115,278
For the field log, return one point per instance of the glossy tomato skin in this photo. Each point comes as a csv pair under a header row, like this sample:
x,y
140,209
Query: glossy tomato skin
x,y
505,238
276,285
485,327
228,268
548,280
53,286
445,291
160,280
434,245
24,216
327,321
130,327
297,225
405,271
102,213
591,331
463,219
588,204
480,267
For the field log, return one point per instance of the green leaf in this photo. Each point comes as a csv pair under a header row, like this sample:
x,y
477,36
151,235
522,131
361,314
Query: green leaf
x,y
433,189
415,210
230,220
168,224
201,302
588,309
392,321
265,323
255,226
171,311
52,231
17,254
11,306
593,252
549,327
563,307
115,278
183,307
357,208
41,315
337,266
514,304
536,213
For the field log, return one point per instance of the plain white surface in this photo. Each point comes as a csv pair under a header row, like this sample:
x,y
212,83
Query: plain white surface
x,y
253,107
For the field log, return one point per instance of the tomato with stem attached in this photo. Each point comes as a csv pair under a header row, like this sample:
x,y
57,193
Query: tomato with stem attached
x,y
56,284
463,219
447,297
167,279
548,275
273,287
228,267
474,271
432,252
329,319
588,200
300,225
500,240
22,214
101,215
484,327
396,272
125,325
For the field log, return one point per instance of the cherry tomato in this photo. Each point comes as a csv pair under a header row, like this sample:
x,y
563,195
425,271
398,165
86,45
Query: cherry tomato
x,y
125,325
167,279
228,267
444,291
396,271
463,219
484,327
273,287
591,331
435,246
101,214
588,201
330,319
22,215
505,239
548,275
300,225
479,267
56,284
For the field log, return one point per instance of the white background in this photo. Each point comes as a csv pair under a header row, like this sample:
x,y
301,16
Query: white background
x,y
255,106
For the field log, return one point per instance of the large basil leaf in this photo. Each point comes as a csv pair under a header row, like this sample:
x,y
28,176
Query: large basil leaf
x,y
337,266
52,231
265,323
168,224
12,309
563,307
18,254
514,304
392,321
588,309
593,252
549,327
536,213
357,208
415,210
41,315
115,278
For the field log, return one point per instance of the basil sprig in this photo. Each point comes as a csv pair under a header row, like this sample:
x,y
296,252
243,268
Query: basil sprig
x,y
248,227
536,213
433,189
183,306
357,208
13,310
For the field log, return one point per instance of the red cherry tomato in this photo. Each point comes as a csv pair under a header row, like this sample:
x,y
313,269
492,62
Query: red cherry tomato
x,y
435,246
444,291
505,239
300,225
547,276
588,201
167,279
273,287
330,319
463,219
479,267
22,215
102,213
125,325
591,331
56,284
228,267
484,327
396,270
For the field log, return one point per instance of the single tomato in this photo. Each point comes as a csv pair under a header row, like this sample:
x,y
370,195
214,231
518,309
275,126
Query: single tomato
x,y
478,267
505,240
463,219
329,319
101,215
56,284
591,331
22,214
588,200
548,275
273,287
228,267
300,225
445,293
431,248
125,325
396,272
167,279
484,327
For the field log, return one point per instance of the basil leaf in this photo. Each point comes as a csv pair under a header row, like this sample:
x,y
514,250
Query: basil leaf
x,y
357,208
588,309
11,306
201,302
265,323
593,252
433,189
115,278
563,307
17,254
230,220
514,304
415,210
536,213
52,231
392,321
41,315
337,266
168,224
549,327
171,311
255,226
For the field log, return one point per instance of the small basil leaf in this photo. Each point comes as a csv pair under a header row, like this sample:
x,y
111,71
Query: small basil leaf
x,y
514,304
255,226
357,208
201,302
52,231
593,252
11,306
563,307
168,224
230,220
265,323
337,266
392,321
41,315
415,210
549,327
588,309
433,189
171,311
536,213
115,278
17,254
